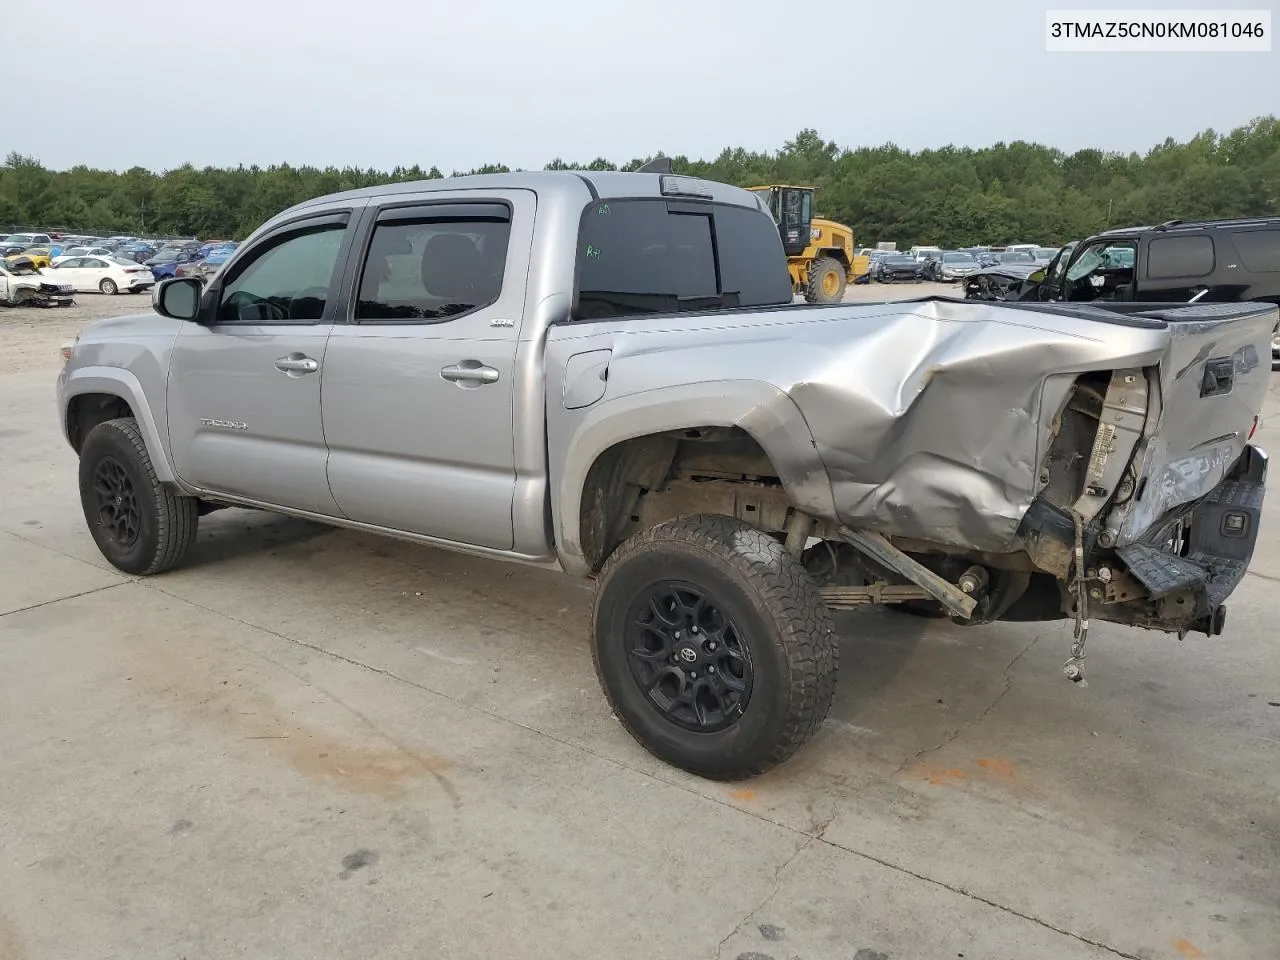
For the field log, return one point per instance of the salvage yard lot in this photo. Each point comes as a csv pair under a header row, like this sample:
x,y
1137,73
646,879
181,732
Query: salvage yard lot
x,y
310,742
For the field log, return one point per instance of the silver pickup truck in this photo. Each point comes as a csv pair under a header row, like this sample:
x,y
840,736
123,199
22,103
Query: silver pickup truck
x,y
605,373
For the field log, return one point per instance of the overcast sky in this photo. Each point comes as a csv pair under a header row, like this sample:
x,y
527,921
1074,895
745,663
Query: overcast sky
x,y
386,82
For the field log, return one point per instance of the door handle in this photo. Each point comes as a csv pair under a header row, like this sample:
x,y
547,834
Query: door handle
x,y
469,372
297,363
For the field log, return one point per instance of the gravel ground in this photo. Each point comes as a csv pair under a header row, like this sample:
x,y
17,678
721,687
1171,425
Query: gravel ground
x,y
30,336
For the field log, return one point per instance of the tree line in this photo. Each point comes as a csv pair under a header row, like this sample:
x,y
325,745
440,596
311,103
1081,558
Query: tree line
x,y
951,196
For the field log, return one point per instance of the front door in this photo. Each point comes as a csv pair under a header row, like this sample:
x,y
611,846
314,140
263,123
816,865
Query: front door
x,y
70,271
244,382
418,385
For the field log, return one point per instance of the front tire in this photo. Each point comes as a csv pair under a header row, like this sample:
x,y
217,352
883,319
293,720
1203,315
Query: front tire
x,y
141,526
108,286
713,646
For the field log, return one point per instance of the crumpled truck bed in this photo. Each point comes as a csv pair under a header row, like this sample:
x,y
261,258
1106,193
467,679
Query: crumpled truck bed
x,y
932,418
934,423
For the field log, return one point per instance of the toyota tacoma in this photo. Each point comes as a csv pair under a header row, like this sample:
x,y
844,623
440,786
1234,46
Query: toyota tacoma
x,y
605,373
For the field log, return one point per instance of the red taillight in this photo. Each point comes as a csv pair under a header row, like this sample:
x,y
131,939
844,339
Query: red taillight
x,y
132,269
1253,429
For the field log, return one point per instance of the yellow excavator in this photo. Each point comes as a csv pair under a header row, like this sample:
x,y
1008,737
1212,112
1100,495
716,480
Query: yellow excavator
x,y
820,253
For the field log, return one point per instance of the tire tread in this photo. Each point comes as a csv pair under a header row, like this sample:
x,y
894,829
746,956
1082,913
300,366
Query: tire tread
x,y
177,517
790,597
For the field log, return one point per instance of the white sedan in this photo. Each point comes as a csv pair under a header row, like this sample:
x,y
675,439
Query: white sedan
x,y
102,274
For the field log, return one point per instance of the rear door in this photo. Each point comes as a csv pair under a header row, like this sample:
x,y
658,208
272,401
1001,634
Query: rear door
x,y
1177,269
244,382
93,270
419,382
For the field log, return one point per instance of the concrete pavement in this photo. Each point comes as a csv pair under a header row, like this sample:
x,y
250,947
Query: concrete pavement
x,y
309,742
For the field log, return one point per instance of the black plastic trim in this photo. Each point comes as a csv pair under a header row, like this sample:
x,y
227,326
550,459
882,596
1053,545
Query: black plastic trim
x,y
498,210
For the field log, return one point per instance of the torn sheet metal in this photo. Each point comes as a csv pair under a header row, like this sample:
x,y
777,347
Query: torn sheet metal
x,y
929,418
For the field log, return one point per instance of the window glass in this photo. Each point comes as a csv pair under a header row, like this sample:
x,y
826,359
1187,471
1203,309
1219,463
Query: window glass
x,y
432,269
752,264
1171,257
1103,271
93,264
71,264
1259,250
646,256
288,282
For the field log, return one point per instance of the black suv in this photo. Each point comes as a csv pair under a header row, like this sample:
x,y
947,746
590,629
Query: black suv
x,y
1214,260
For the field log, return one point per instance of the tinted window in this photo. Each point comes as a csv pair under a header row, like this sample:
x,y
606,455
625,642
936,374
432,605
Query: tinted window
x,y
752,263
1169,257
1259,250
92,263
288,282
645,256
71,264
432,269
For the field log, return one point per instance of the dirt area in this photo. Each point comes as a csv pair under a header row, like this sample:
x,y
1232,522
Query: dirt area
x,y
30,336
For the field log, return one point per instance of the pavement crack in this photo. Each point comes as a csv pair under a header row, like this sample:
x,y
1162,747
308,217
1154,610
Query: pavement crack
x,y
70,596
982,715
978,898
777,885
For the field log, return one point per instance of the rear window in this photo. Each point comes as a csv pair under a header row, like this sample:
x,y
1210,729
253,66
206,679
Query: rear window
x,y
1259,250
1172,257
664,256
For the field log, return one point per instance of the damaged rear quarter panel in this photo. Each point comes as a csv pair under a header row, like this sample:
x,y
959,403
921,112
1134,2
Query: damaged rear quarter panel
x,y
928,418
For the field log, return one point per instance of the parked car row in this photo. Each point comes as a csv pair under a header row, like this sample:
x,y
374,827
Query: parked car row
x,y
161,258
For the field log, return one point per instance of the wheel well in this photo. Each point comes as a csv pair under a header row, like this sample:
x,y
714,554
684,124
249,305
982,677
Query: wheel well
x,y
834,253
87,410
697,470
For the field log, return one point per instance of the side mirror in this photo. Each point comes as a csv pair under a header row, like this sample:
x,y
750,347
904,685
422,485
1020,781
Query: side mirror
x,y
177,297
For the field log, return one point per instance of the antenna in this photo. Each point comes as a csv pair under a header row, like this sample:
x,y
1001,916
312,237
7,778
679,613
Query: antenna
x,y
657,165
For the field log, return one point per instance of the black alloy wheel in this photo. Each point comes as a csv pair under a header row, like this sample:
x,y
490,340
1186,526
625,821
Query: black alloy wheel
x,y
690,658
118,510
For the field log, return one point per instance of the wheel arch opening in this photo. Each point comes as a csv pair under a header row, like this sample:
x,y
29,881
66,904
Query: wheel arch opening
x,y
85,411
646,480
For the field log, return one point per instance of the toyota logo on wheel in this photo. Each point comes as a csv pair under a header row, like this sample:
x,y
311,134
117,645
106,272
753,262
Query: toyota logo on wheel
x,y
688,654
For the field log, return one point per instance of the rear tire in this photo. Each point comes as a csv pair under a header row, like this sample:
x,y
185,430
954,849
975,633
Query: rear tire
x,y
827,280
759,675
140,525
108,286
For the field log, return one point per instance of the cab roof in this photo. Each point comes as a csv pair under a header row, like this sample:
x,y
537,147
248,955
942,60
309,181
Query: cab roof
x,y
572,186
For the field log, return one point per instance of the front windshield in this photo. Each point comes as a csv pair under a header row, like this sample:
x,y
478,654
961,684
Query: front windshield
x,y
1016,256
1045,253
958,258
